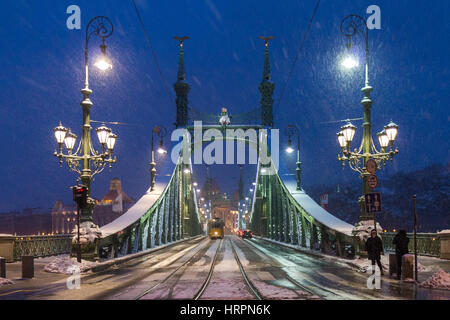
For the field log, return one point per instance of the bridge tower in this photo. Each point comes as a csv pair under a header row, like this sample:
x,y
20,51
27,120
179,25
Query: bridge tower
x,y
181,89
266,88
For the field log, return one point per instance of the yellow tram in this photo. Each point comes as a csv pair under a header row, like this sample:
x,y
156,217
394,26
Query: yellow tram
x,y
215,228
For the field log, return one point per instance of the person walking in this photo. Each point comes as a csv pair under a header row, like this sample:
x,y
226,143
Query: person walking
x,y
401,242
374,248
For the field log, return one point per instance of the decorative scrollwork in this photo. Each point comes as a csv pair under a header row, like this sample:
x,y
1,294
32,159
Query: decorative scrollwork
x,y
353,24
101,26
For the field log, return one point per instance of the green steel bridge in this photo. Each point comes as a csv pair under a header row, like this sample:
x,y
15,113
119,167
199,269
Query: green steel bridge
x,y
281,210
168,212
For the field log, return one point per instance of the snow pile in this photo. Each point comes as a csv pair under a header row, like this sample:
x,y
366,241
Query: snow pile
x,y
5,282
362,229
66,264
439,280
364,264
89,231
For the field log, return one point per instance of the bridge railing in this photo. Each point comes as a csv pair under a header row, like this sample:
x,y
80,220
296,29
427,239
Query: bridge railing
x,y
14,247
282,213
428,244
166,214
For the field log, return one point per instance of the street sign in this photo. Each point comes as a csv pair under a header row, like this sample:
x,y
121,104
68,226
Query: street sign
x,y
373,202
372,181
371,166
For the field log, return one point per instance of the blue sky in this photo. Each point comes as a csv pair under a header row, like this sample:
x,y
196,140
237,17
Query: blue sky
x,y
42,73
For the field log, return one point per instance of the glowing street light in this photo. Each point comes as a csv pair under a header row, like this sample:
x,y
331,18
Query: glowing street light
x,y
383,139
86,161
161,132
103,63
349,62
357,159
293,129
70,140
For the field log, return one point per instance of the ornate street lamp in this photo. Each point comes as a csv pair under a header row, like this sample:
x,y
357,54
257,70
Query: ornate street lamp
x,y
292,129
357,159
85,160
161,132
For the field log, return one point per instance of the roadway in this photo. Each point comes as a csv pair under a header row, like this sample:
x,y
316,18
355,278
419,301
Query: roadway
x,y
228,269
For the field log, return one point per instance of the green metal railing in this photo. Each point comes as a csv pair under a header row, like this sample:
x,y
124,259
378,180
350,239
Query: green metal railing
x,y
427,243
41,246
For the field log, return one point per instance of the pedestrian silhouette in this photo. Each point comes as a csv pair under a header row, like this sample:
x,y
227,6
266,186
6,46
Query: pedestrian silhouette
x,y
401,242
374,247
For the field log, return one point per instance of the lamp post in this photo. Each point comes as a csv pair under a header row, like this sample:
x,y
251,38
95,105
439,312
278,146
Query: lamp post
x,y
85,160
292,129
160,131
358,158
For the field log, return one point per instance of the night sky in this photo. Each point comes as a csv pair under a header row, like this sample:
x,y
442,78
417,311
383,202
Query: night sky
x,y
41,64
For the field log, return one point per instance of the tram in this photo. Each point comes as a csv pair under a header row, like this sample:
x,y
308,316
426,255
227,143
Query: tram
x,y
215,228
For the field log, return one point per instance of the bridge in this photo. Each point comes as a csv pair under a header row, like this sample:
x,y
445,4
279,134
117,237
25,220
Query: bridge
x,y
159,245
168,211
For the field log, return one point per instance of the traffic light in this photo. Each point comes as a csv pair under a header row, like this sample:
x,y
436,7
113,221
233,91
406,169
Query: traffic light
x,y
80,195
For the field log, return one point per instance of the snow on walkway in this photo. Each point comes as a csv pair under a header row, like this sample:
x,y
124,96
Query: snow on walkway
x,y
65,264
439,280
5,282
364,264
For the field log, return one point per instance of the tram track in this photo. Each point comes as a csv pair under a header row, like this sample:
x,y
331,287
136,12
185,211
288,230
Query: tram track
x,y
250,285
287,276
210,273
179,269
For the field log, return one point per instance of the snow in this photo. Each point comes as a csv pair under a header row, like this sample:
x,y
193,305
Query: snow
x,y
315,210
444,231
364,264
138,210
277,292
88,233
439,280
5,282
65,264
362,229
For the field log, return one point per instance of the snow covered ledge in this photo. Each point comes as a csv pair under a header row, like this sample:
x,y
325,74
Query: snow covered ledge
x,y
138,210
315,210
444,238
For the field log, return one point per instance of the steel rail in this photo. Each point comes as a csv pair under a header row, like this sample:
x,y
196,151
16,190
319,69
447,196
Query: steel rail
x,y
253,289
167,277
208,278
289,278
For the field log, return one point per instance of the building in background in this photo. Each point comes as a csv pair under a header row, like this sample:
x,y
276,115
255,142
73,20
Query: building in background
x,y
31,221
115,203
109,208
64,217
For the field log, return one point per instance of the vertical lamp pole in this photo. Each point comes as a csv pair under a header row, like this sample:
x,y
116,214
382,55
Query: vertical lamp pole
x,y
84,160
358,158
161,132
415,239
293,129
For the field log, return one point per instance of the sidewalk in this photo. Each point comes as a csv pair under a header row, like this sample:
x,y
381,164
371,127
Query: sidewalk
x,y
427,265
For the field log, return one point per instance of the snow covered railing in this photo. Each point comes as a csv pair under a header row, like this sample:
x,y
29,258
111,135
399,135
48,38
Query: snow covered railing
x,y
316,211
428,244
163,215
281,212
14,247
